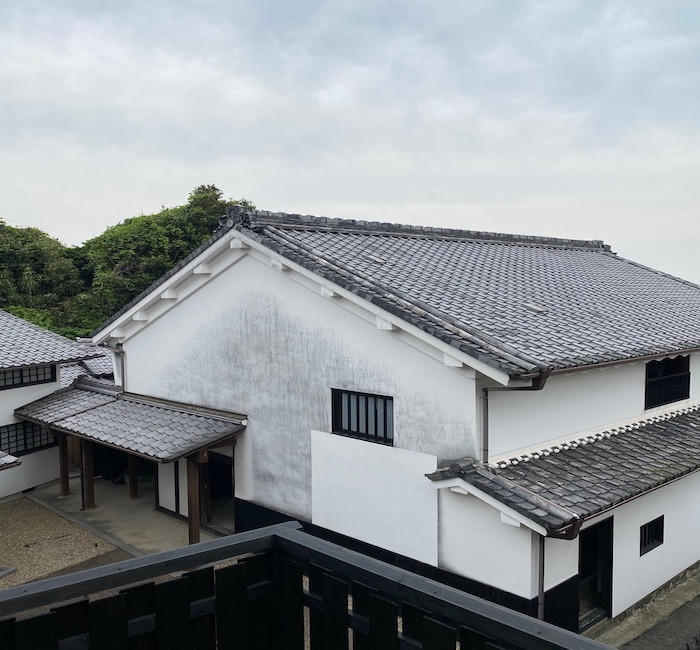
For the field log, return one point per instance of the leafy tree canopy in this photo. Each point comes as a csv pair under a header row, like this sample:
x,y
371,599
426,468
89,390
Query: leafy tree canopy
x,y
71,290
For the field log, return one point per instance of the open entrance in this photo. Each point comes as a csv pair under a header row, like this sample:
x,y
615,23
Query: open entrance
x,y
595,573
218,511
122,468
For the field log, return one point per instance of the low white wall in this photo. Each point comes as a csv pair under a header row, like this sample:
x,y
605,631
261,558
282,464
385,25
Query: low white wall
x,y
36,468
475,543
375,493
633,576
560,561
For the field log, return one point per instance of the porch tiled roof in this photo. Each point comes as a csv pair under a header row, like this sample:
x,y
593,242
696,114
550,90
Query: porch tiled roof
x,y
564,484
24,344
156,429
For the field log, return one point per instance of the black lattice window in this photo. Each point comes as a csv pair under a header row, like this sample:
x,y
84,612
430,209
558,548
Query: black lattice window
x,y
25,437
668,380
651,535
363,415
27,376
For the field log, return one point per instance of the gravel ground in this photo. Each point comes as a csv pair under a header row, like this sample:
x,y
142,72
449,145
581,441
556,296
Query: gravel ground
x,y
36,542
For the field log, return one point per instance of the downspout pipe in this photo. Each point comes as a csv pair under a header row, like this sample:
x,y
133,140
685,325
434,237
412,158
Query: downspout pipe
x,y
538,383
540,577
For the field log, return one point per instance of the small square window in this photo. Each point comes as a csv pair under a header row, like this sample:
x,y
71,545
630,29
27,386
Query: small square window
x,y
651,535
667,381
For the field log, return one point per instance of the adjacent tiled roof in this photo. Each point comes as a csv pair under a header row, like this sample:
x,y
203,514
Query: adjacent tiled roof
x,y
24,344
522,304
100,366
567,483
7,461
156,429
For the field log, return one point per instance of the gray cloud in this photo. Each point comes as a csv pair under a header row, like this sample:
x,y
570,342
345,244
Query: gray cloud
x,y
552,117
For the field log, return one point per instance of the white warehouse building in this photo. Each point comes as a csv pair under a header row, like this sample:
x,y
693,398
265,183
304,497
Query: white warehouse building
x,y
516,415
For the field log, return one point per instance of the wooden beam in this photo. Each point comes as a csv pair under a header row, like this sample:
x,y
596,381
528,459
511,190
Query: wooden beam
x,y
89,475
63,464
193,499
133,477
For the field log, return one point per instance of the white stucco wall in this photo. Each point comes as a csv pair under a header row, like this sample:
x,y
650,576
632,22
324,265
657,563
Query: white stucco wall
x,y
633,576
474,542
375,493
560,561
12,398
36,468
254,340
166,493
571,403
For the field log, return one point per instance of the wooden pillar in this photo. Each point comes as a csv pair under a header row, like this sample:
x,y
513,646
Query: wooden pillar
x,y
233,484
133,477
88,475
63,464
193,498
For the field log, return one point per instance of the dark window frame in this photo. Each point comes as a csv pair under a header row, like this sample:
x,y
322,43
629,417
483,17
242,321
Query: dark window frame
x,y
20,438
666,381
365,416
29,376
651,535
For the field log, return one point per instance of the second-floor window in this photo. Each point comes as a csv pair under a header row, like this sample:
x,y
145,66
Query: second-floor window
x,y
27,376
363,415
668,380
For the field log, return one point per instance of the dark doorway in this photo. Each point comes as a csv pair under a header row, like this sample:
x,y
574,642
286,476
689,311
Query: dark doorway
x,y
217,493
595,573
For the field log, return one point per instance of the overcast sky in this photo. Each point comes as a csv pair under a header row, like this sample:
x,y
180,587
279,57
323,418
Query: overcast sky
x,y
563,118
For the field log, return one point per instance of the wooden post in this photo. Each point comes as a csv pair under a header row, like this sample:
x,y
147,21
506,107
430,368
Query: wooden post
x,y
63,464
89,475
193,498
233,484
133,477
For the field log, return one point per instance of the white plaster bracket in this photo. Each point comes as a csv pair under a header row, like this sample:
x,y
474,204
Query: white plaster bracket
x,y
451,362
117,333
385,325
140,316
505,519
201,269
327,292
276,264
237,244
169,294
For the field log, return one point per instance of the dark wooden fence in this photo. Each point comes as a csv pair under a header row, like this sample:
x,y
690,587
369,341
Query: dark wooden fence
x,y
286,589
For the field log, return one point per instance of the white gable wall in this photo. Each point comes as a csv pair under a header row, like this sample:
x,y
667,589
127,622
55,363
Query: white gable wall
x,y
256,341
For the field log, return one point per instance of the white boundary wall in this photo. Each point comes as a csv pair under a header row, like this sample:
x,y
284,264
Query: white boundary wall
x,y
375,493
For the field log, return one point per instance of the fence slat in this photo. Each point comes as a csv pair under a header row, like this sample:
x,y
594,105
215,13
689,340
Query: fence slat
x,y
200,584
383,624
438,636
412,622
260,610
35,633
472,639
172,615
232,608
109,623
7,634
335,614
360,605
289,603
141,601
72,620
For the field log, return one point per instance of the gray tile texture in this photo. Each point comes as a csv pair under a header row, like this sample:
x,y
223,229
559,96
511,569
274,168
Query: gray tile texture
x,y
24,344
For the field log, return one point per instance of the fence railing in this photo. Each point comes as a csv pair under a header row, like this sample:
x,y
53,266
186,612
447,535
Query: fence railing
x,y
272,588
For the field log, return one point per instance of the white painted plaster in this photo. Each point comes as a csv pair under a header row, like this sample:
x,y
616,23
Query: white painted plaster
x,y
375,493
182,468
12,398
633,576
258,342
166,493
36,468
473,542
560,561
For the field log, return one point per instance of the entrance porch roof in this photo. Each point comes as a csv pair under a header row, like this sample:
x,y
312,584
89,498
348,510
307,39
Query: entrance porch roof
x,y
145,426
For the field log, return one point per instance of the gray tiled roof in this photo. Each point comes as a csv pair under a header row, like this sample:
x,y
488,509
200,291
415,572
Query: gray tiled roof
x,y
523,304
156,429
98,367
25,344
573,481
7,461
